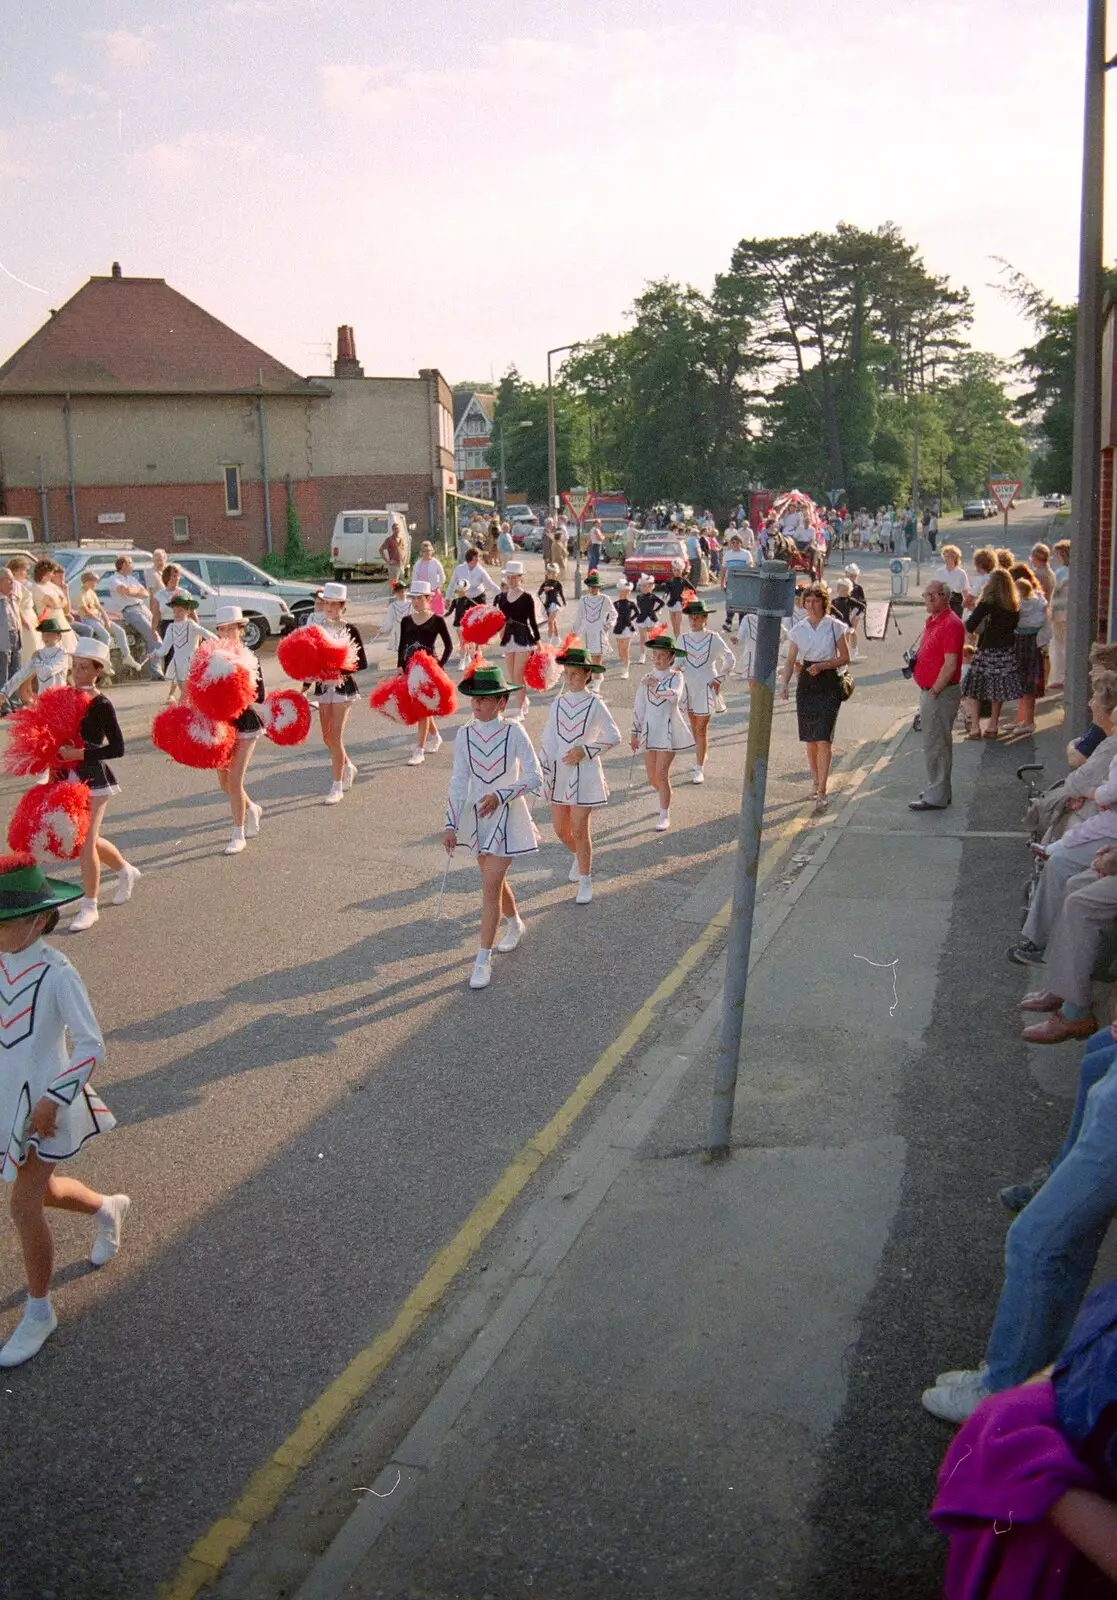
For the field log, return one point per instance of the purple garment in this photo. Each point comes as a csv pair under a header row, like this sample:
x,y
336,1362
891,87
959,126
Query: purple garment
x,y
1006,1468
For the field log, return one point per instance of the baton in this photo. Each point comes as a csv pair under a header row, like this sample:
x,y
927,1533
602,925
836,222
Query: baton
x,y
442,891
631,766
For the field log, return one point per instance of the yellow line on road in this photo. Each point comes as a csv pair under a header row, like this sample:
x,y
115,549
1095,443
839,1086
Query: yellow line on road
x,y
266,1488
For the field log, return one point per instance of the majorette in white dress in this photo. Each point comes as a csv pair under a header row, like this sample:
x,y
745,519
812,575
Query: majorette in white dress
x,y
41,1000
706,660
179,641
574,719
658,712
494,757
593,621
50,668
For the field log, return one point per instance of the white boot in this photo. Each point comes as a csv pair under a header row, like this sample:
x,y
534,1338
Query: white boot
x,y
87,915
512,937
434,742
585,890
252,816
335,796
128,879
698,775
664,822
236,844
416,758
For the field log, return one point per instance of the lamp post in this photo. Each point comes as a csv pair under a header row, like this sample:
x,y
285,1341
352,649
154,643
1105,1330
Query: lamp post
x,y
552,466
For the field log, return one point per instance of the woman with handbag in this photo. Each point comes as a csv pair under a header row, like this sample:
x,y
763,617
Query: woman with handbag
x,y
992,676
818,648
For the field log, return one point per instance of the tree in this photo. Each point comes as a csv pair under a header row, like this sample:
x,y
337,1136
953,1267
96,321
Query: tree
x,y
982,438
520,416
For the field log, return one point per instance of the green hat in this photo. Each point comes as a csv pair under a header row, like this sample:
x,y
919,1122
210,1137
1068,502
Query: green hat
x,y
484,682
592,580
25,889
698,608
663,641
578,656
48,625
180,598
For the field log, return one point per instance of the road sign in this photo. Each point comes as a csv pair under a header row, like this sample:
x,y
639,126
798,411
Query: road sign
x,y
578,502
1004,491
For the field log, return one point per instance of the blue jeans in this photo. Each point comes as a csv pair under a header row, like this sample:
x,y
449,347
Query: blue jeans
x,y
594,558
1053,1245
136,617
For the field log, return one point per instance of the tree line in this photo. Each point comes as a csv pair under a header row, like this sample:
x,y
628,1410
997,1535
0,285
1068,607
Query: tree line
x,y
813,361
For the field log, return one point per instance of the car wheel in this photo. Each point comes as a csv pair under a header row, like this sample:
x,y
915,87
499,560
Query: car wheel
x,y
255,632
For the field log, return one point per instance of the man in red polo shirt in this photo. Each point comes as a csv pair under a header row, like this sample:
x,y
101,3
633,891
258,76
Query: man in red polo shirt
x,y
938,672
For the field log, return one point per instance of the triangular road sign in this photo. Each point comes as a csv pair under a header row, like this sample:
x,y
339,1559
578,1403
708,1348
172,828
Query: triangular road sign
x,y
578,501
1005,490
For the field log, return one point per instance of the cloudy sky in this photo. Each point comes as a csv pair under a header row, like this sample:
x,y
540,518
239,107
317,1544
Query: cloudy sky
x,y
470,183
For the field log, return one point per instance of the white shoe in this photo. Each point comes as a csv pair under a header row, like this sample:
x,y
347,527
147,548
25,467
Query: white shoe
x,y
624,674
127,880
512,938
107,1240
574,874
252,817
237,843
857,656
664,822
349,775
27,1340
482,974
954,1402
585,891
415,759
434,744
87,915
335,796
643,658
698,776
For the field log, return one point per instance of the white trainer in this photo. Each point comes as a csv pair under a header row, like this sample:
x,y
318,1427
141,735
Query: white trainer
x,y
27,1340
127,880
512,937
252,816
237,843
698,776
664,822
107,1240
574,874
434,743
954,1402
335,796
482,974
349,775
585,891
415,759
87,915
624,674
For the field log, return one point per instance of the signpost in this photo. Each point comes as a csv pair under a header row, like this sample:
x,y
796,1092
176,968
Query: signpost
x,y
578,501
1004,492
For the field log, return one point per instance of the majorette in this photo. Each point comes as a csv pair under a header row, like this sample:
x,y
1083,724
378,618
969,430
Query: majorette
x,y
659,726
423,629
249,725
624,624
594,616
49,1046
336,700
707,660
494,768
579,728
521,632
648,606
181,637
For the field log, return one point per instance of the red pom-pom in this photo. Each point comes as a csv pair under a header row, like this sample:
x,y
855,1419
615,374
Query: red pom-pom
x,y
38,732
310,655
17,862
658,632
541,670
429,687
192,739
222,679
481,624
393,700
286,716
573,641
51,821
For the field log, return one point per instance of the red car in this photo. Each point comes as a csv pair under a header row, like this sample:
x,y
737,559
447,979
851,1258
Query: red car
x,y
655,557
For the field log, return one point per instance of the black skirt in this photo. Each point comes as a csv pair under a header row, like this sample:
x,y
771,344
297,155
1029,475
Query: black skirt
x,y
817,702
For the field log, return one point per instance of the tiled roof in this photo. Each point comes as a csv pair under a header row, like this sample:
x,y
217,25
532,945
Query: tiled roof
x,y
122,334
462,402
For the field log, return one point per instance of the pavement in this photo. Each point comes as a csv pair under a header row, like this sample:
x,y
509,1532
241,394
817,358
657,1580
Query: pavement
x,y
386,1230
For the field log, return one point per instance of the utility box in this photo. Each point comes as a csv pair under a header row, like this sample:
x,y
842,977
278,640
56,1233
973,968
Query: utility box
x,y
900,568
769,587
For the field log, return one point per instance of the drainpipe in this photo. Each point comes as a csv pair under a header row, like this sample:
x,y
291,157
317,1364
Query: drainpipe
x,y
264,464
43,507
66,412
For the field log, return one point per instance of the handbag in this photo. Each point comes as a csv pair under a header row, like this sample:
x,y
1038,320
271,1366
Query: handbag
x,y
846,681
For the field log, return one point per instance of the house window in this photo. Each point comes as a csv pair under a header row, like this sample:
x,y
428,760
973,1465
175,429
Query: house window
x,y
232,491
180,529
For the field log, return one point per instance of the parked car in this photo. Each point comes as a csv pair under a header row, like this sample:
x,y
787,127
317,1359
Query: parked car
x,y
265,615
654,556
532,540
974,511
356,541
222,571
1053,502
16,531
74,558
516,514
990,507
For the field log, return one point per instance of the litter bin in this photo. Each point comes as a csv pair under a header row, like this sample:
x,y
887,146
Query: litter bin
x,y
900,568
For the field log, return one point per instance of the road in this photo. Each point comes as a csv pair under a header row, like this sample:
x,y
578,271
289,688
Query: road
x,y
311,1101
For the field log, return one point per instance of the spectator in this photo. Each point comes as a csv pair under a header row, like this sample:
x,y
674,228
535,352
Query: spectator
x,y
1088,912
392,552
428,569
938,672
859,608
736,556
956,578
10,631
817,645
694,556
1060,600
1030,628
1103,659
1006,558
595,546
992,674
477,581
1041,566
93,612
130,598
1073,795
20,569
153,579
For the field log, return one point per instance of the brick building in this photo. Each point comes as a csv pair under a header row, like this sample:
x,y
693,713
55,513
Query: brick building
x,y
134,409
1107,505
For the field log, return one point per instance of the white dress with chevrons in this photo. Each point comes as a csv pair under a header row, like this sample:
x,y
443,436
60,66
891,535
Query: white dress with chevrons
x,y
498,758
577,719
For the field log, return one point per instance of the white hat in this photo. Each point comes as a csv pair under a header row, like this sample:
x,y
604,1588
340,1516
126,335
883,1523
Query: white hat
x,y
229,614
645,577
624,586
93,649
551,567
334,591
853,570
417,587
514,569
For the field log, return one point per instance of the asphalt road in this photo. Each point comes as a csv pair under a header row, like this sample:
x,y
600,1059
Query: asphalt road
x,y
311,1101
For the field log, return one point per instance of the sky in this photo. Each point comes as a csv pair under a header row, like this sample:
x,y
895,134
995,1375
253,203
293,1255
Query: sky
x,y
470,182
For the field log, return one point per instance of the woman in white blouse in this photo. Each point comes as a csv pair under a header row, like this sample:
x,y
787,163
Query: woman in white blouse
x,y
428,569
818,648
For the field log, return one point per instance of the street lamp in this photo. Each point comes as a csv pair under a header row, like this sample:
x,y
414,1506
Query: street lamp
x,y
503,475
552,465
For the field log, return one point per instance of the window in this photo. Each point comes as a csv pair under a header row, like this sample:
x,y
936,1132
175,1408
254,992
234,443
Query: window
x,y
232,491
180,529
353,526
232,574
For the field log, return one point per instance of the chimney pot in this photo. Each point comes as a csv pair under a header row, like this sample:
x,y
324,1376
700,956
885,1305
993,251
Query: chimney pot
x,y
347,365
116,269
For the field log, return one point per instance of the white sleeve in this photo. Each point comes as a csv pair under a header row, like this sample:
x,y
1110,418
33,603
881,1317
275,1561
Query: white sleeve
x,y
459,781
87,1047
640,711
488,581
1106,793
440,582
531,778
724,660
610,615
18,678
549,743
602,732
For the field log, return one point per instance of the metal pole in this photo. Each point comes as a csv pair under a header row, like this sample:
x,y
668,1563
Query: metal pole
x,y
770,614
264,465
915,496
44,508
1082,610
552,458
70,467
503,475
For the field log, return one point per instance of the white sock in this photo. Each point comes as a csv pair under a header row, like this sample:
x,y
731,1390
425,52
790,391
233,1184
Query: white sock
x,y
238,833
37,1310
586,877
106,1211
484,955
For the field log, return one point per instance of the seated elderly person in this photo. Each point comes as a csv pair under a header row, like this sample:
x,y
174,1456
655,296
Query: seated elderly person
x,y
1088,913
1103,660
1071,799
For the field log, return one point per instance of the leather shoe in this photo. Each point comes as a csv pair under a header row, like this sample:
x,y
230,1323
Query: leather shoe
x,y
1041,1000
923,805
1057,1030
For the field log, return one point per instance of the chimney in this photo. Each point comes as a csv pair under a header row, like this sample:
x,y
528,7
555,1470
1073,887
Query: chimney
x,y
347,365
116,269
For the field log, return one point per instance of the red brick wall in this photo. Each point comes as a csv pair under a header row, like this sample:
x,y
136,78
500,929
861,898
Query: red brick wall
x,y
149,510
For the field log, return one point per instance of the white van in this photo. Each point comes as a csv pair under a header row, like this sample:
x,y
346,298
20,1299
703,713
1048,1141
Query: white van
x,y
357,537
16,530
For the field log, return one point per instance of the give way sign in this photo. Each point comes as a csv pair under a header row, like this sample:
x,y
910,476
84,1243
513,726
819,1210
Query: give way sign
x,y
1004,491
579,501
